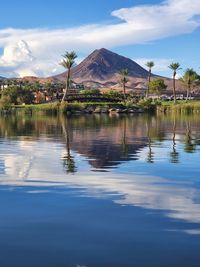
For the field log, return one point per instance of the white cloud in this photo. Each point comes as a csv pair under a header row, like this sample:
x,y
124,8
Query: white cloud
x,y
40,50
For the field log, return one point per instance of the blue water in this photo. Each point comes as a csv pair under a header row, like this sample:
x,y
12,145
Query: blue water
x,y
100,191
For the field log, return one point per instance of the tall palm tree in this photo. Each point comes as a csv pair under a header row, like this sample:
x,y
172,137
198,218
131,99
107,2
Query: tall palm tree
x,y
150,65
124,73
68,62
175,67
189,78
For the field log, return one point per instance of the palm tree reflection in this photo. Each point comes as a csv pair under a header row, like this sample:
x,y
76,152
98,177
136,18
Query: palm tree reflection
x,y
150,154
174,155
68,159
124,142
189,147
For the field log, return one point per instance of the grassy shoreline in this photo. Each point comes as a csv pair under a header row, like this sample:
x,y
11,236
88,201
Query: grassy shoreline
x,y
67,108
181,106
189,107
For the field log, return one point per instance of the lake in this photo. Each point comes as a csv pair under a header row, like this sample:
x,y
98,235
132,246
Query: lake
x,y
100,191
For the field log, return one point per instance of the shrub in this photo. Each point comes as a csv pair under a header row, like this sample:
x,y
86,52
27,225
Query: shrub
x,y
5,102
146,104
90,92
19,95
113,93
157,86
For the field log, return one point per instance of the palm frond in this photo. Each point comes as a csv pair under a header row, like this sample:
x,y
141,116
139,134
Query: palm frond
x,y
150,64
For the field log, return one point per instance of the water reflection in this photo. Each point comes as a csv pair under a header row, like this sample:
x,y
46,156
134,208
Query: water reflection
x,y
174,155
68,159
150,161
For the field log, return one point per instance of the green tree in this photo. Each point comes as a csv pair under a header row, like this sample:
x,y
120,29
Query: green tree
x,y
174,67
157,86
19,95
5,102
68,62
150,65
189,78
49,88
124,80
90,92
113,93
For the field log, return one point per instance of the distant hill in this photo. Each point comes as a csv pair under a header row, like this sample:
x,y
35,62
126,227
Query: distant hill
x,y
101,69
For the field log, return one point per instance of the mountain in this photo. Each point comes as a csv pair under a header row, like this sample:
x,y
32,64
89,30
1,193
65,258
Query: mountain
x,y
101,69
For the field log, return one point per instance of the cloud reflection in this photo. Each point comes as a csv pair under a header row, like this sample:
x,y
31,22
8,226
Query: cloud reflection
x,y
30,167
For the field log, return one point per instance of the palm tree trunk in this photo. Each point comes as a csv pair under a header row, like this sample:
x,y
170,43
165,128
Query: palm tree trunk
x,y
174,88
188,91
124,90
149,80
67,85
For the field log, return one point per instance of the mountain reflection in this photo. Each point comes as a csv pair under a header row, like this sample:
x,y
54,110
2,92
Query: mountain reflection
x,y
105,141
136,152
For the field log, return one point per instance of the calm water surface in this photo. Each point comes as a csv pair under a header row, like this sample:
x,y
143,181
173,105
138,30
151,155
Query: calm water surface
x,y
100,191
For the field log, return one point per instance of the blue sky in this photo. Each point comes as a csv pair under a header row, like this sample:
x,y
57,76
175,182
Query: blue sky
x,y
34,34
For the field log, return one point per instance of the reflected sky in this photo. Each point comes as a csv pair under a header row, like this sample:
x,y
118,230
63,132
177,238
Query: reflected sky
x,y
149,162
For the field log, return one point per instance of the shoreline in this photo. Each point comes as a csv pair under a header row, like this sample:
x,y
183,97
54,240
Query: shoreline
x,y
189,107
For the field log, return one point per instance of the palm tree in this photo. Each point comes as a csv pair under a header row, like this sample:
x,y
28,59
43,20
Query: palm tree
x,y
68,62
189,78
150,65
175,67
124,73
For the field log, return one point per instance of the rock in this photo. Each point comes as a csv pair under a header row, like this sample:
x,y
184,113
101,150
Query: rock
x,y
78,112
140,110
88,110
104,110
97,110
112,110
119,110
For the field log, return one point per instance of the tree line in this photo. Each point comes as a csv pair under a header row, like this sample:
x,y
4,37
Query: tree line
x,y
190,77
19,91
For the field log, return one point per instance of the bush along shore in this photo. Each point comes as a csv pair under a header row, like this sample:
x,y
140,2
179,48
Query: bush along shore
x,y
82,108
181,107
142,106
